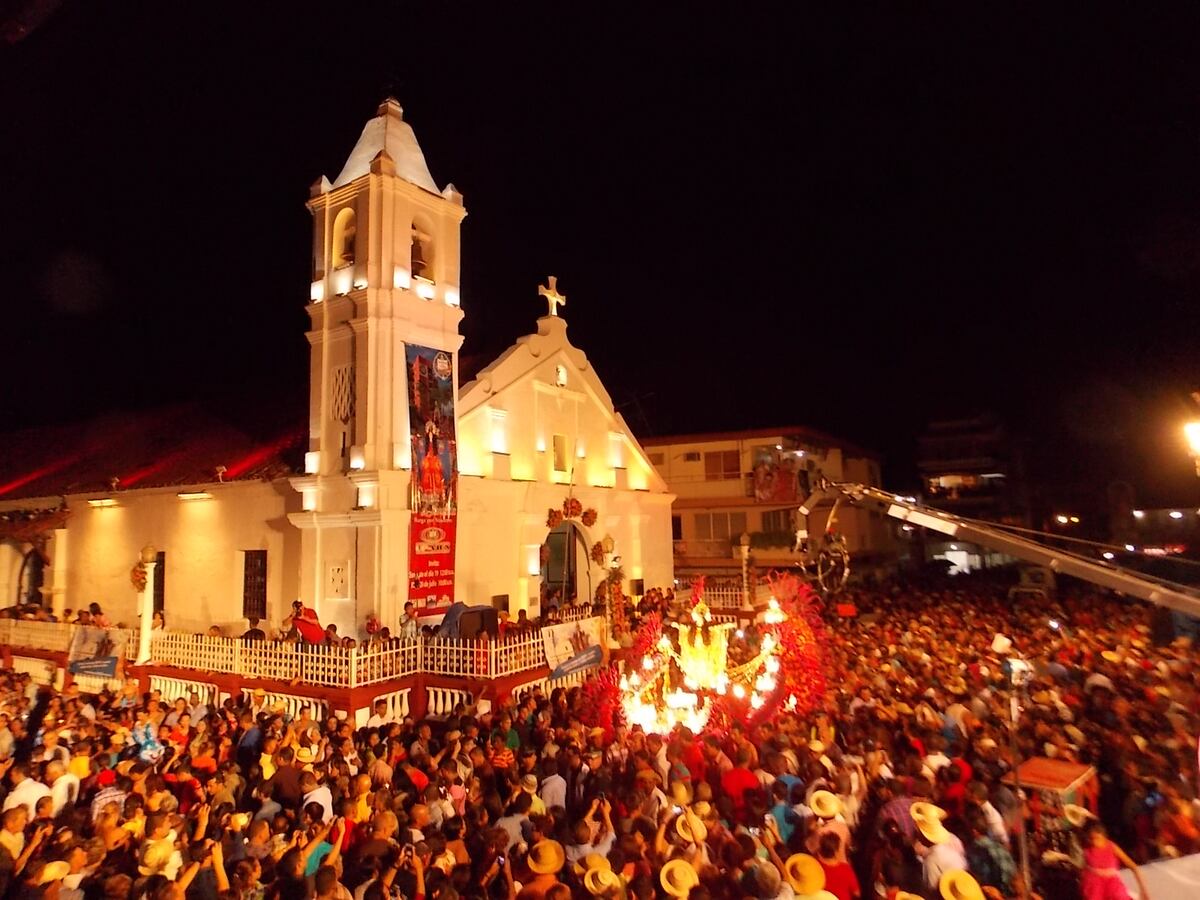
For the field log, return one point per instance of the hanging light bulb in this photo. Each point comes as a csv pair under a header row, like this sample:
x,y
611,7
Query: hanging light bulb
x,y
739,691
756,701
647,663
772,664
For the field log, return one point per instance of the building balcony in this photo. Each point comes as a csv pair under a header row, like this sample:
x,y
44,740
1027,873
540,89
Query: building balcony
x,y
327,678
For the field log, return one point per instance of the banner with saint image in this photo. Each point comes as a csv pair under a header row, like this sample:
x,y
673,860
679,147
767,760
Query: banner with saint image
x,y
434,505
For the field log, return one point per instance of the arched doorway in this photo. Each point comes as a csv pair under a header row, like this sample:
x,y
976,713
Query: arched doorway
x,y
31,578
566,570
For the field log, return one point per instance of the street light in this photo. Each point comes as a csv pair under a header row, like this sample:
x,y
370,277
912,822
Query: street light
x,y
1191,431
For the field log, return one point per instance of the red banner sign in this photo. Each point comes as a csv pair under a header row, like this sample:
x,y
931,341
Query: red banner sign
x,y
431,563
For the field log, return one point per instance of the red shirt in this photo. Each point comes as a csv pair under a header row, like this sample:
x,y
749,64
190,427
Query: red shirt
x,y
693,758
840,880
735,782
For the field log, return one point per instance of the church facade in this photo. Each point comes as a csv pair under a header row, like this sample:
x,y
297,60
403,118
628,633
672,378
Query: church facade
x,y
519,487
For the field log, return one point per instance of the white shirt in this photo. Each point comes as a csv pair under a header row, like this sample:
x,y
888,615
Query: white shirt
x,y
995,822
26,794
64,790
554,791
378,721
321,795
943,858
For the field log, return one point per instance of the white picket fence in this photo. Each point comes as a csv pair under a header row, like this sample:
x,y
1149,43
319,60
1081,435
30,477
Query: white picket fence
x,y
723,598
314,664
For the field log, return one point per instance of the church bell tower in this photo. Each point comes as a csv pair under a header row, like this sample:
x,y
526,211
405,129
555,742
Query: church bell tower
x,y
385,307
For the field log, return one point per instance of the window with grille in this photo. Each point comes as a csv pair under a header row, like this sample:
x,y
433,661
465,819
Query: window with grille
x,y
719,526
560,453
777,520
722,465
254,585
692,456
160,580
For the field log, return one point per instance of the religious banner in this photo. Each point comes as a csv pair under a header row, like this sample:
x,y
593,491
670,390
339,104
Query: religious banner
x,y
778,476
97,651
573,646
431,422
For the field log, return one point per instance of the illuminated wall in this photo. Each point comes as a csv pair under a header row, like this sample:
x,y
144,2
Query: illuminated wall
x,y
204,541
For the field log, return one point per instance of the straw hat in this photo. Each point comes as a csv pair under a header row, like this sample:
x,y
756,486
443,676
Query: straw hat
x,y
1075,734
922,809
678,877
589,862
1110,656
956,686
987,743
259,693
905,895
681,793
689,827
959,885
529,784
54,871
546,857
602,880
931,827
1076,815
804,873
817,747
703,809
904,709
306,756
825,805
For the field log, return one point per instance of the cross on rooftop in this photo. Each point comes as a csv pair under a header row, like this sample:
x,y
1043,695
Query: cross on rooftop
x,y
550,292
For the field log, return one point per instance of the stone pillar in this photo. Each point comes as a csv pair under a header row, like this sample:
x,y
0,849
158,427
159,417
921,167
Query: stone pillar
x,y
58,573
146,605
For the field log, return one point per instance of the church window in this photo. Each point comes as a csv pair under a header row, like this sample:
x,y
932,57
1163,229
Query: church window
x,y
254,585
560,453
344,230
422,253
722,465
677,528
342,399
692,456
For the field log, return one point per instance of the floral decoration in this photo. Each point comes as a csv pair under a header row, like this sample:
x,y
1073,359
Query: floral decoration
x,y
572,508
137,577
554,518
589,517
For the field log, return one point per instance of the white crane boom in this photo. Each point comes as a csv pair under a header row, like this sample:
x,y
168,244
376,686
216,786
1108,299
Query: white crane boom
x,y
1059,561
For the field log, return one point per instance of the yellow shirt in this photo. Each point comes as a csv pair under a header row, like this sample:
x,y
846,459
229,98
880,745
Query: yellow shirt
x,y
80,767
268,766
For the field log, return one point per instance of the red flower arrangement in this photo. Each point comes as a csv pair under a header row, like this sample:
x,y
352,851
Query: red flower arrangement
x,y
137,577
554,518
597,553
589,517
572,508
602,701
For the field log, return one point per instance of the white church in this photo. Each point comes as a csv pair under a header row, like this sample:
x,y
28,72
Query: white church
x,y
414,486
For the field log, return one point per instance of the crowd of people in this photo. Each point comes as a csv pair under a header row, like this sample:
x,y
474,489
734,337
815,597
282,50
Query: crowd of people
x,y
897,786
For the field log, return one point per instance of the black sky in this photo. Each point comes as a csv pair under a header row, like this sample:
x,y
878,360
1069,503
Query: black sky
x,y
855,222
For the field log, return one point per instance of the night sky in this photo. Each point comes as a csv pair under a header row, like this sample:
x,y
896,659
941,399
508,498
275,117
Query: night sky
x,y
852,223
